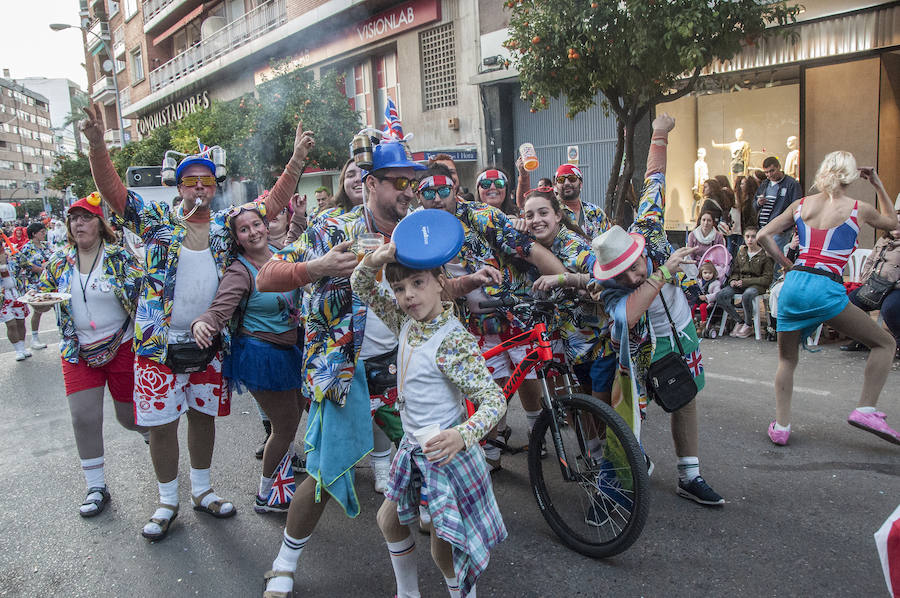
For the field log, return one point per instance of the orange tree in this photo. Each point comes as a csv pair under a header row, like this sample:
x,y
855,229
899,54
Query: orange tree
x,y
637,53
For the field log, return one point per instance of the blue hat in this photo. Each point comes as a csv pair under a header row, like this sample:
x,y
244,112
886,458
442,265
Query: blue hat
x,y
190,161
391,154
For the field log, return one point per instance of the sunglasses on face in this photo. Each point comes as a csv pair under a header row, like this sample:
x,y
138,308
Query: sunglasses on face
x,y
497,183
400,182
206,181
442,192
562,179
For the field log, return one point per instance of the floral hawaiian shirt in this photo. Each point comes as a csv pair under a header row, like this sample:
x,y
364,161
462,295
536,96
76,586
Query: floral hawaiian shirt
x,y
335,317
163,233
586,332
120,271
458,356
29,255
592,219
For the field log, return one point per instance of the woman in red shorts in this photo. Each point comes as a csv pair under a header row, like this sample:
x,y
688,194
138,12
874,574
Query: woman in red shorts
x,y
96,326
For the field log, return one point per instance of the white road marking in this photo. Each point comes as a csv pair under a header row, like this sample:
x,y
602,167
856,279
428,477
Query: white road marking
x,y
803,389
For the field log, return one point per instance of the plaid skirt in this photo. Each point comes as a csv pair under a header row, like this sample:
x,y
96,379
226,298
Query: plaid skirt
x,y
464,512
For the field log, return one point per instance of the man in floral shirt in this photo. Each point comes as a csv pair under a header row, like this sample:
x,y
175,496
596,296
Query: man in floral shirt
x,y
186,255
588,216
28,264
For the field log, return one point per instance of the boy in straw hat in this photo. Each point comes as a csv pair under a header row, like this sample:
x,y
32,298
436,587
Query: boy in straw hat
x,y
636,269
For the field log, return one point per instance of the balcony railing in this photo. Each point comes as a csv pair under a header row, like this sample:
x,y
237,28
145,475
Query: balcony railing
x,y
118,41
104,91
113,137
254,24
99,31
151,8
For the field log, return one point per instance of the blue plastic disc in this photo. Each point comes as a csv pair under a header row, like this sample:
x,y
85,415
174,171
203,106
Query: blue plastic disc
x,y
427,239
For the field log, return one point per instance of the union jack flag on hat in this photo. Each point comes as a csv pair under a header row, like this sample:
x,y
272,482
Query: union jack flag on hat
x,y
392,128
204,149
283,487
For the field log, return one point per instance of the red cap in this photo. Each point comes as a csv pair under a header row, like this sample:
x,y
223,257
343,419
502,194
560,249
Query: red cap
x,y
91,203
567,169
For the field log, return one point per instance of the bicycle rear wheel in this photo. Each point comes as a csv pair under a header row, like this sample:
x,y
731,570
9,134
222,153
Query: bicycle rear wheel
x,y
602,509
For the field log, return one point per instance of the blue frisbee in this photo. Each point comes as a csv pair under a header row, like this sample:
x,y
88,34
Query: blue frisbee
x,y
427,239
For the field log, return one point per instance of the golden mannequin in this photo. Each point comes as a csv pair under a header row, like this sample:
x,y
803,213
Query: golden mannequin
x,y
740,154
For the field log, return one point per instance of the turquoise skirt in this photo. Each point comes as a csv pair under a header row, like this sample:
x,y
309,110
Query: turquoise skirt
x,y
807,300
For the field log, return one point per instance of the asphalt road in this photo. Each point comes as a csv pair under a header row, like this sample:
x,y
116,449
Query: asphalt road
x,y
798,522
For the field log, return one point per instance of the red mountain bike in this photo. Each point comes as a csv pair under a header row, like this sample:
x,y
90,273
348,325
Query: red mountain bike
x,y
597,497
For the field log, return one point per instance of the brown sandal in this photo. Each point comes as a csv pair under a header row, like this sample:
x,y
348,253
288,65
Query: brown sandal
x,y
162,523
272,575
214,508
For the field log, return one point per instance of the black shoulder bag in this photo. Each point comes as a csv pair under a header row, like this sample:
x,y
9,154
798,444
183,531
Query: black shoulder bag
x,y
872,293
669,380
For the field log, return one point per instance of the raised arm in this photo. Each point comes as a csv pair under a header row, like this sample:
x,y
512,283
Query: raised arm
x,y
523,185
286,185
884,218
766,236
105,176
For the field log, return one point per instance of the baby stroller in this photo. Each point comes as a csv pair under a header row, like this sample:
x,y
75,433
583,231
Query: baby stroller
x,y
719,256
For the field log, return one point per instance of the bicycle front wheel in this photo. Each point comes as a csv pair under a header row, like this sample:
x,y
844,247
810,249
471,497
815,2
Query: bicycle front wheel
x,y
593,490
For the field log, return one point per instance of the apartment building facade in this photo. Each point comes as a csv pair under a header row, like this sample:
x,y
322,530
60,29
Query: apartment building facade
x,y
26,142
65,97
174,57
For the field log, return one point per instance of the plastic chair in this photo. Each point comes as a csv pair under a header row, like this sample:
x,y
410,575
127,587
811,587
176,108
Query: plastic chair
x,y
757,327
855,264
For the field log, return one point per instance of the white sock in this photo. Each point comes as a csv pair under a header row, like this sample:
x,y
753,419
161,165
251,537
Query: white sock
x,y
168,495
866,409
403,560
286,560
380,459
19,346
34,335
199,481
780,428
688,468
491,452
532,417
265,486
93,472
452,586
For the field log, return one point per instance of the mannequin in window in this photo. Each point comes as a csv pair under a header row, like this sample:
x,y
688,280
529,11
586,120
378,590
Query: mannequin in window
x,y
792,161
701,173
740,154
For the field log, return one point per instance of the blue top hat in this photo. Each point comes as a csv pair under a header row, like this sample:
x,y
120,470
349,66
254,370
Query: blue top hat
x,y
391,154
427,239
190,161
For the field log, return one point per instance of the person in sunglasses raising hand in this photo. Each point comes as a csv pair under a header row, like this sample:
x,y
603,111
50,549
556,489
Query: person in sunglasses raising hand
x,y
185,260
588,216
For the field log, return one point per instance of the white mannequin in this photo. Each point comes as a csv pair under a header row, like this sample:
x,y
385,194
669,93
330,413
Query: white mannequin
x,y
740,154
792,161
701,174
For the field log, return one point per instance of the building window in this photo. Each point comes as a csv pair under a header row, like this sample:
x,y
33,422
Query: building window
x,y
113,8
130,8
137,65
438,50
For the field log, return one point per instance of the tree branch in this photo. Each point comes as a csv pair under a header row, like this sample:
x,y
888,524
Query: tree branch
x,y
688,87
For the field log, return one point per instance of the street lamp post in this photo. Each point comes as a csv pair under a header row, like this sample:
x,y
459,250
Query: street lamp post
x,y
60,27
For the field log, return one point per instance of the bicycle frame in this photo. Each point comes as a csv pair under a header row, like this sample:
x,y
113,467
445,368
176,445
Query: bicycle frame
x,y
540,355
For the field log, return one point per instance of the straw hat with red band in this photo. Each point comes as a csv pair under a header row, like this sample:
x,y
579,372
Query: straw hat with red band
x,y
437,180
91,203
490,174
615,251
567,169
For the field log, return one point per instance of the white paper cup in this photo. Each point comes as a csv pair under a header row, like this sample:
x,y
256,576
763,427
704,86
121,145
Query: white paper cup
x,y
423,435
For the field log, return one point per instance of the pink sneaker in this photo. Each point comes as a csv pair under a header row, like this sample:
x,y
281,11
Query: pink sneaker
x,y
779,437
744,332
874,423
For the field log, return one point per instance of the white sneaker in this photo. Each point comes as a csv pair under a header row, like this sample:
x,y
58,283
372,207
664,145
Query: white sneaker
x,y
26,353
37,344
21,356
382,474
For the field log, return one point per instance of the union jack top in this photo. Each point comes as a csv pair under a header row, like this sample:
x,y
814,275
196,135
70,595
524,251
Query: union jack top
x,y
392,126
827,249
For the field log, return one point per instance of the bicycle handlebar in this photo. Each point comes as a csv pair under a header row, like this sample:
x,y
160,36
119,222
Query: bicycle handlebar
x,y
502,302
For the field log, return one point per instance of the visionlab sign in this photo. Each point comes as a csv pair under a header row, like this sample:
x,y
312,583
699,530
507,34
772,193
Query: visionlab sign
x,y
378,27
173,112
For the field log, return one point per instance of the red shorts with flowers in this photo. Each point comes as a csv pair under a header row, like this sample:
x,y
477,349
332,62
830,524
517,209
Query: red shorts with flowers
x,y
161,396
118,375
